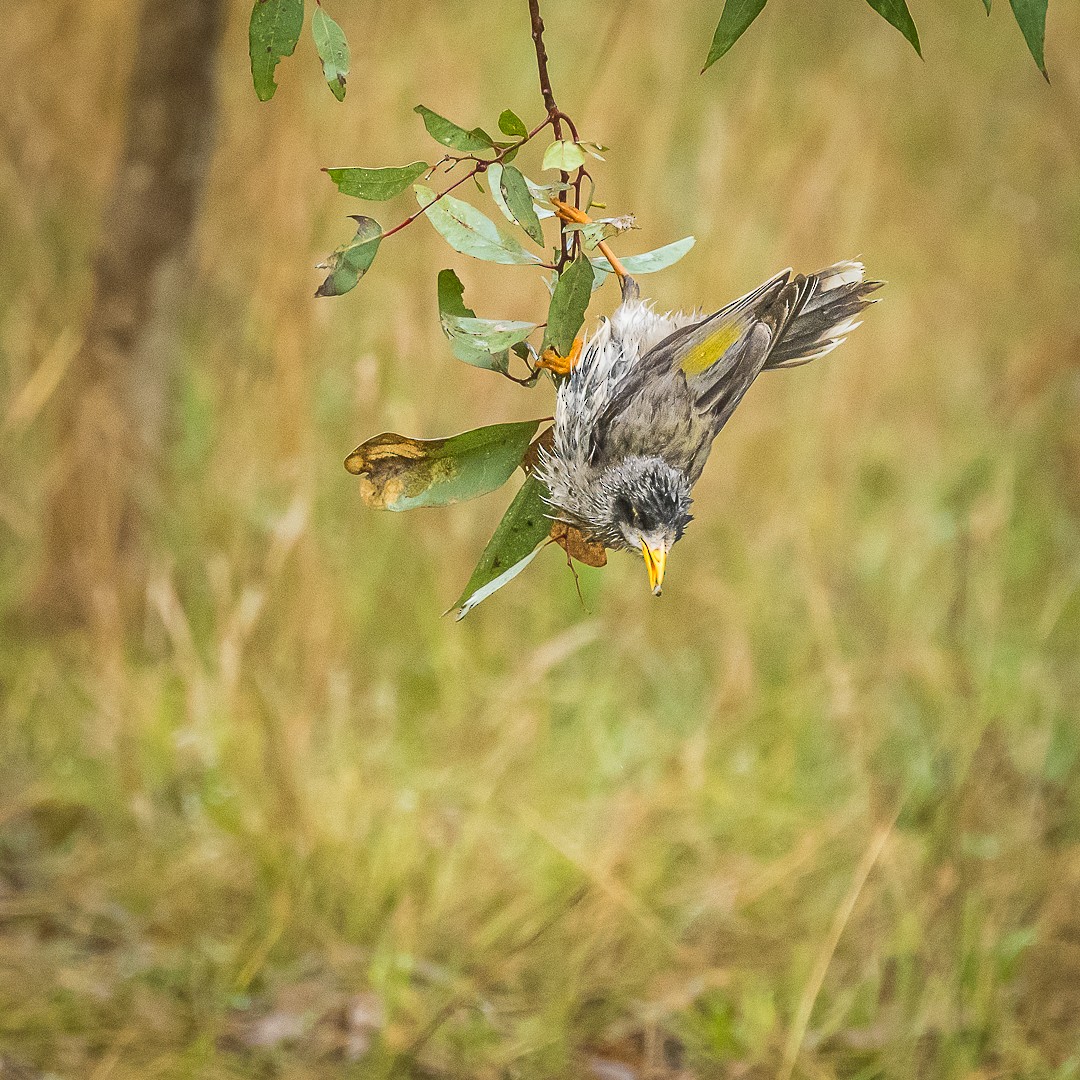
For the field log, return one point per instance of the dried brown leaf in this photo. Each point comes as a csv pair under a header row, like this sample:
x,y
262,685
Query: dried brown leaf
x,y
578,545
543,441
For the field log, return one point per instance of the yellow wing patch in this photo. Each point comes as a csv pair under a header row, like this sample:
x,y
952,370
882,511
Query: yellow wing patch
x,y
700,357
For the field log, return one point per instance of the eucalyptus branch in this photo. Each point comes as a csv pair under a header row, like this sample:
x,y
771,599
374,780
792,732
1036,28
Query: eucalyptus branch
x,y
542,67
556,117
569,243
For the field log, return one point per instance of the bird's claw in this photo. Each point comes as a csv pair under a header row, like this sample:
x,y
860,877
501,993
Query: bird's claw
x,y
551,361
574,216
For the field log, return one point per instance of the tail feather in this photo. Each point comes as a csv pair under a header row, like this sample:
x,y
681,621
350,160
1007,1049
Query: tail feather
x,y
825,317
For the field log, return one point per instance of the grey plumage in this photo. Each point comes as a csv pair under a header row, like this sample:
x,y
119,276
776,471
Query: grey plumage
x,y
637,417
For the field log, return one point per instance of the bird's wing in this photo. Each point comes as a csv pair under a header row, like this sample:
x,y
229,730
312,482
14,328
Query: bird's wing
x,y
712,361
722,355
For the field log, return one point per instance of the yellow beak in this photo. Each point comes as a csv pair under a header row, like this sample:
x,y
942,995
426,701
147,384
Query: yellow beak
x,y
655,561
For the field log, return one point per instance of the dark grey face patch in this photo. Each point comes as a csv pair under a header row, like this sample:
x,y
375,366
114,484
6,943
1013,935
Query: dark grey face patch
x,y
648,498
652,510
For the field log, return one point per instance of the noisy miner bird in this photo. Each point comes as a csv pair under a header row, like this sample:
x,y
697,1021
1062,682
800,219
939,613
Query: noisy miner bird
x,y
637,415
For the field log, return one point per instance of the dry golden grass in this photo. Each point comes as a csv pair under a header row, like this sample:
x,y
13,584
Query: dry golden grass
x,y
815,813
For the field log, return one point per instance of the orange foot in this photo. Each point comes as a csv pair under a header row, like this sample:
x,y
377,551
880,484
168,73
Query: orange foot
x,y
570,214
560,365
573,216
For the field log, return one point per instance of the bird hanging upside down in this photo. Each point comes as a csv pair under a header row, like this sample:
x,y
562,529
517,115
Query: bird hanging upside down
x,y
636,418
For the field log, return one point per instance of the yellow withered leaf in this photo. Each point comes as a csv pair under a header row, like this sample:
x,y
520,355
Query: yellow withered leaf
x,y
399,473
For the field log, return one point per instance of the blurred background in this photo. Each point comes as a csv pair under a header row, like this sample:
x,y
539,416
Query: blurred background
x,y
265,813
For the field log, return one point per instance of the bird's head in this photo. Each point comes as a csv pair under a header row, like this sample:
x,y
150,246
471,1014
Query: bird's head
x,y
644,507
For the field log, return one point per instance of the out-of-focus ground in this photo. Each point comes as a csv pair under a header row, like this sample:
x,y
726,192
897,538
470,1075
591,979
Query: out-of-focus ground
x,y
813,813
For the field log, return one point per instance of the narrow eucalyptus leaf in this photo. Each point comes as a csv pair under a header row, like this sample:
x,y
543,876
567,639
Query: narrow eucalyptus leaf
x,y
566,156
273,32
351,261
511,124
467,230
648,262
516,540
595,231
453,135
895,12
376,185
1031,16
400,473
734,21
987,4
569,301
465,350
518,199
333,51
494,179
491,335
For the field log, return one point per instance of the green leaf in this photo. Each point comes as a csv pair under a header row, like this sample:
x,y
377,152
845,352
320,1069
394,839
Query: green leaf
x,y
450,134
511,124
595,231
541,193
376,185
467,230
273,32
986,4
518,199
516,540
493,335
1031,16
399,473
648,262
451,307
350,262
482,343
734,20
565,156
568,304
451,296
494,179
333,51
895,12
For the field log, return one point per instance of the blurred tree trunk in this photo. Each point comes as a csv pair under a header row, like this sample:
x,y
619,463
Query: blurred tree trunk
x,y
114,402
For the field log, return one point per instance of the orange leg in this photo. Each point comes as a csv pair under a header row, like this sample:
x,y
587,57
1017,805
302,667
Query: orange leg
x,y
560,365
572,214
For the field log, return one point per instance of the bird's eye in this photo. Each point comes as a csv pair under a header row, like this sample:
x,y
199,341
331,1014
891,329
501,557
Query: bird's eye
x,y
625,510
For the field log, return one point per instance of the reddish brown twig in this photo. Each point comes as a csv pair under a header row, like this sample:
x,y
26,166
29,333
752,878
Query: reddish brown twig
x,y
569,242
556,116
